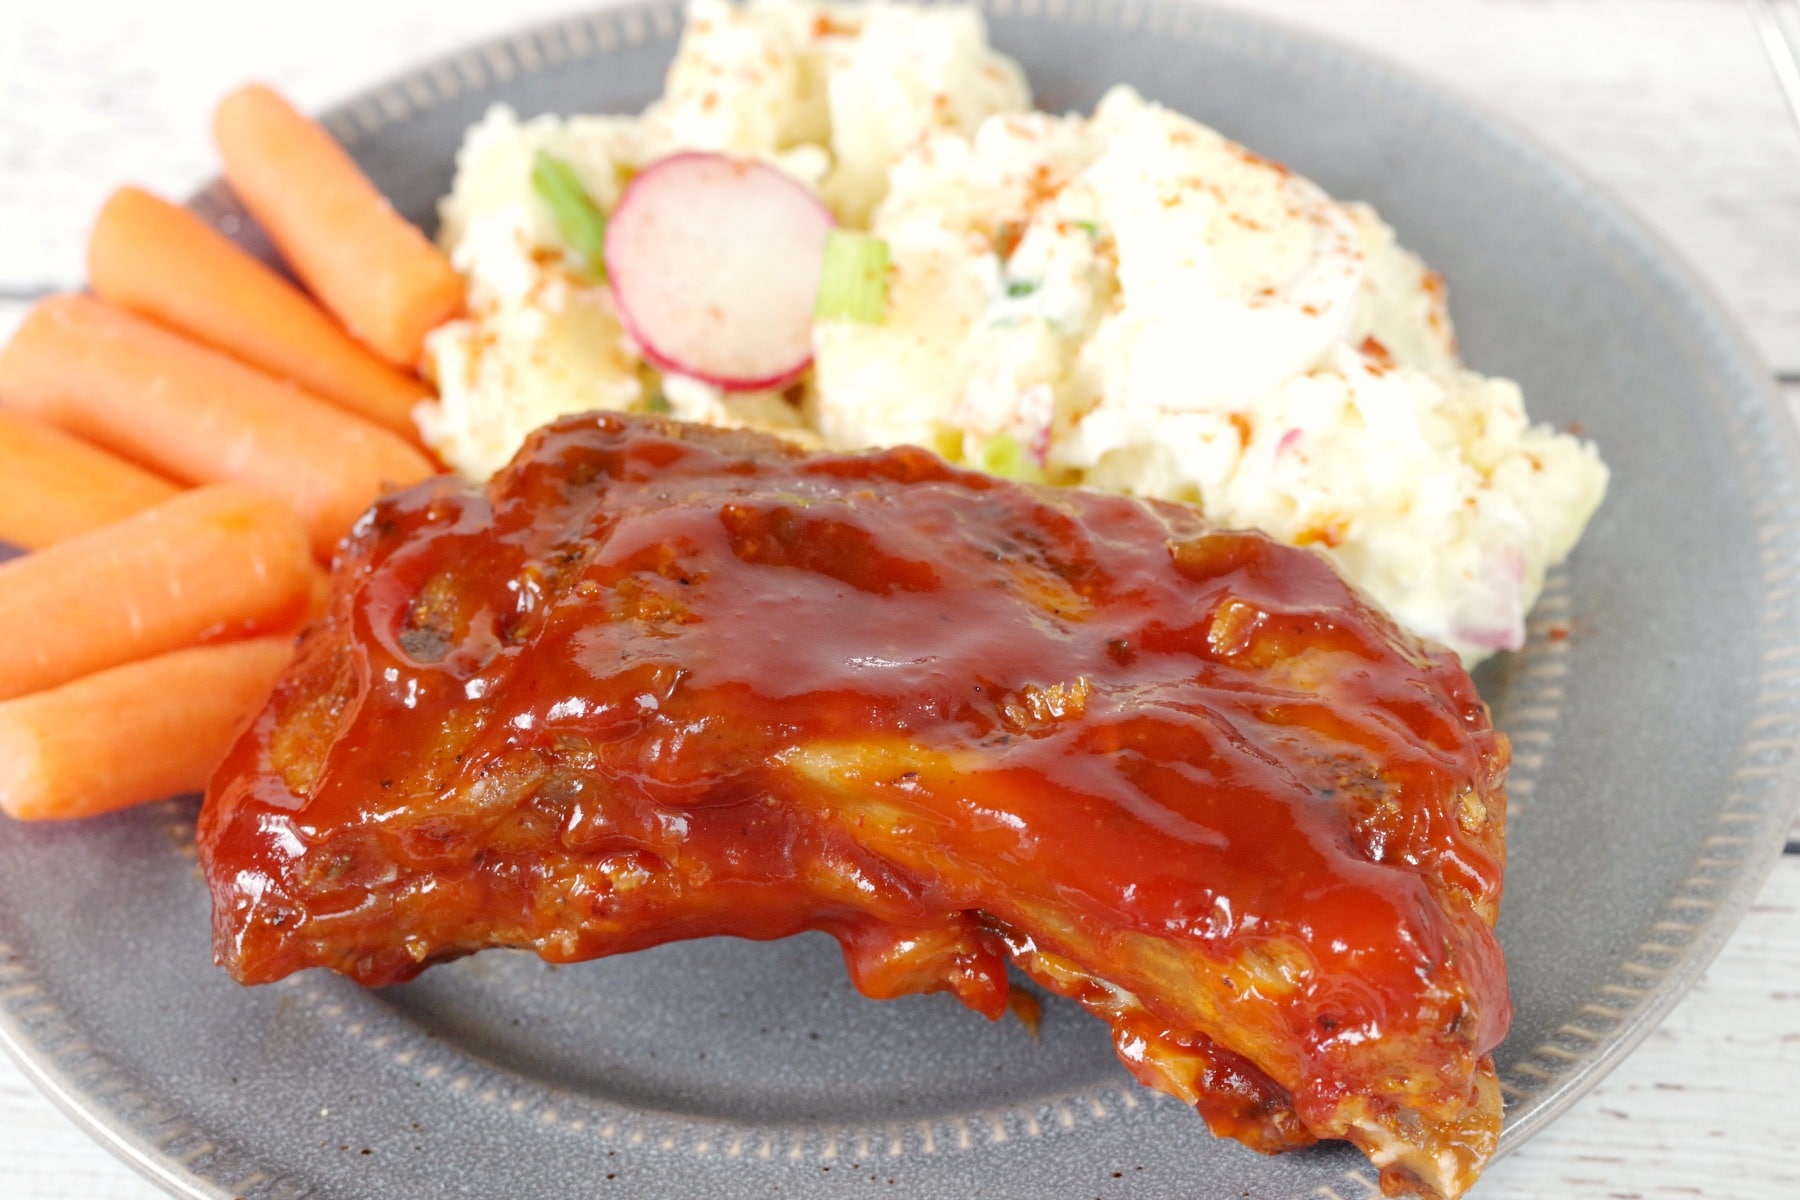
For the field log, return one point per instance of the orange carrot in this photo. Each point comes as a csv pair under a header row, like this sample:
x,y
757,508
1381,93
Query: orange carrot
x,y
365,262
54,487
163,261
198,415
219,560
138,732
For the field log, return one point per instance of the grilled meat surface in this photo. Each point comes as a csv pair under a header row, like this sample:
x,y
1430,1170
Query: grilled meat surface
x,y
660,681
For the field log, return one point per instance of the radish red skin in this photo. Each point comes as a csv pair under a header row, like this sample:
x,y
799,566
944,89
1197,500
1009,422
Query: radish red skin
x,y
714,267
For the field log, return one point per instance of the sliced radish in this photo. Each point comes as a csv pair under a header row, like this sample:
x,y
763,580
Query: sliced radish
x,y
714,263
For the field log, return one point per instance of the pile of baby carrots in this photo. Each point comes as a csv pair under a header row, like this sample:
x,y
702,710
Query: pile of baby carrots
x,y
181,450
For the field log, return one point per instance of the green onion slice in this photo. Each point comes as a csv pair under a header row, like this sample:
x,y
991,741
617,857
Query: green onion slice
x,y
853,279
578,219
1003,456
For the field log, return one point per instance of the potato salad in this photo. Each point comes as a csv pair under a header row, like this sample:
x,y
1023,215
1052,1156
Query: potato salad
x,y
1124,300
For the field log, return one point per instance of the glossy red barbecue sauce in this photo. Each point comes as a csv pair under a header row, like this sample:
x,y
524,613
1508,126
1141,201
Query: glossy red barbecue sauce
x,y
650,688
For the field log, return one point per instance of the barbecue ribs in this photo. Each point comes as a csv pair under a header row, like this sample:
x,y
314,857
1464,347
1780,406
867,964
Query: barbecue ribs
x,y
661,681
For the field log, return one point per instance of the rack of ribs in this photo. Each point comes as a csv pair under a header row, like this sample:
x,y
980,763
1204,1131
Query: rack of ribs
x,y
658,681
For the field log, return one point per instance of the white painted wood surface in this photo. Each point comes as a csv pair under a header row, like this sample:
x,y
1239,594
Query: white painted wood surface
x,y
1667,102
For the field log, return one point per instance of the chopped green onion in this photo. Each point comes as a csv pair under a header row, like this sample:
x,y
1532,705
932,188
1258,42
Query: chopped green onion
x,y
578,219
853,278
1019,288
1003,456
1091,228
658,403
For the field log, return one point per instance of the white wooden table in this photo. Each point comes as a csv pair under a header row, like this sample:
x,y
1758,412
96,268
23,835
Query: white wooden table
x,y
1668,102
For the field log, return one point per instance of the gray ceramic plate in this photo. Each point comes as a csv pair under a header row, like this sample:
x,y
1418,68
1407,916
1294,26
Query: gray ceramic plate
x,y
1655,716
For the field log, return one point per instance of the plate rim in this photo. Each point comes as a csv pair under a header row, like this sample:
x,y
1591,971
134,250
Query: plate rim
x,y
1763,437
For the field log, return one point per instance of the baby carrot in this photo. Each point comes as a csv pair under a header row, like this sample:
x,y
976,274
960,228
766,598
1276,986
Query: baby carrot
x,y
365,262
216,560
163,261
139,732
198,415
54,487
